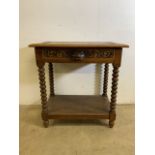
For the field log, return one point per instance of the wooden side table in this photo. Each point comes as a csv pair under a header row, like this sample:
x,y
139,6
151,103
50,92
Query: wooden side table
x,y
78,106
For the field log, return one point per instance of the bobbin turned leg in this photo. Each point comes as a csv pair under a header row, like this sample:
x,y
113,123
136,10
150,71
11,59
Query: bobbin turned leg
x,y
42,82
51,79
112,114
105,82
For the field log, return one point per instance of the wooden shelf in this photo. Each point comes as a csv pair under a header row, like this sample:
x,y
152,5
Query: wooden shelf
x,y
78,107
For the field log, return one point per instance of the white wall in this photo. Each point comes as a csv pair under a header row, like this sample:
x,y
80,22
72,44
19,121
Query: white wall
x,y
75,20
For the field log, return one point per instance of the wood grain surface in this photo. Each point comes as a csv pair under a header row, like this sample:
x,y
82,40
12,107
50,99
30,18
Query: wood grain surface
x,y
78,107
80,44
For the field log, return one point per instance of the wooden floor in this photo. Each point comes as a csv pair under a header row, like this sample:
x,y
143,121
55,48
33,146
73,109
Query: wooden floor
x,y
78,107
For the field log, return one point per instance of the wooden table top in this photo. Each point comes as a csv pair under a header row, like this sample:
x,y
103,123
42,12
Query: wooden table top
x,y
80,45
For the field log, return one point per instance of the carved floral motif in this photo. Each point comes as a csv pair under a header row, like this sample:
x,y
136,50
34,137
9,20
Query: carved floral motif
x,y
88,53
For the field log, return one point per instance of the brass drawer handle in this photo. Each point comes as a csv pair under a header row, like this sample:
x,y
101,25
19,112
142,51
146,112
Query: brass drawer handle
x,y
78,55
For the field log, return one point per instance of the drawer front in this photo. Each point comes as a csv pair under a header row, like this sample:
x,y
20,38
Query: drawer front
x,y
78,55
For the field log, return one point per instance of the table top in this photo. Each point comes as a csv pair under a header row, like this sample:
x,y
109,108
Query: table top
x,y
80,45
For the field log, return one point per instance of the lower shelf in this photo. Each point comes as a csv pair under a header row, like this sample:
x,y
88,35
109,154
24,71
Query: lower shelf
x,y
78,107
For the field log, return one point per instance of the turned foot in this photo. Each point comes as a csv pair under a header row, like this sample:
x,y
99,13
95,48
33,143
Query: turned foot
x,y
111,124
46,123
112,118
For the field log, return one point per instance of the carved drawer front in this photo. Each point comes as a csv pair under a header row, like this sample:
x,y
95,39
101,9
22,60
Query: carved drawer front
x,y
78,55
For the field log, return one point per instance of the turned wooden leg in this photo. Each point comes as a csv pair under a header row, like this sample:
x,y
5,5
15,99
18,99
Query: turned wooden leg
x,y
112,114
42,81
51,79
105,83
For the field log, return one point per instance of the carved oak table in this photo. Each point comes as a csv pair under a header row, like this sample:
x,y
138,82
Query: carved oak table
x,y
78,106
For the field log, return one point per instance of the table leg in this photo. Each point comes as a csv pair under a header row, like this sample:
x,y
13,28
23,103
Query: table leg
x,y
105,83
112,114
51,79
42,81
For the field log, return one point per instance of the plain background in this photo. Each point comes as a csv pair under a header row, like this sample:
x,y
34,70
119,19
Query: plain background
x,y
72,20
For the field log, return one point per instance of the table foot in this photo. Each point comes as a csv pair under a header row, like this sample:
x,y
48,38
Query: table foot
x,y
112,118
111,124
46,123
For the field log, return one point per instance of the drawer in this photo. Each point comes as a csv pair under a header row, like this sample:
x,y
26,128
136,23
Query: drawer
x,y
77,55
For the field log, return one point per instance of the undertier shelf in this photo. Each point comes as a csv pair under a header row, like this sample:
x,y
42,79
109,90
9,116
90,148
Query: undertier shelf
x,y
78,107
